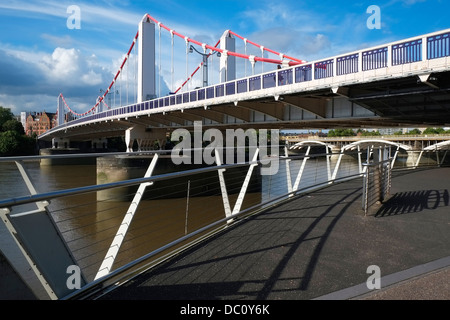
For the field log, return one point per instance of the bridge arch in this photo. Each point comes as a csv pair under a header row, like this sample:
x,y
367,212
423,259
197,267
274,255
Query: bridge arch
x,y
444,145
440,146
311,143
374,143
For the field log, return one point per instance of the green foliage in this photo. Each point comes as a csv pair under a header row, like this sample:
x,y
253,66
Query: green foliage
x,y
434,131
341,133
13,141
415,132
366,133
5,115
9,143
13,125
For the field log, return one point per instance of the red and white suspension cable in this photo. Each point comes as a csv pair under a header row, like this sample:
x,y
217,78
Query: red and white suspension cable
x,y
231,53
251,58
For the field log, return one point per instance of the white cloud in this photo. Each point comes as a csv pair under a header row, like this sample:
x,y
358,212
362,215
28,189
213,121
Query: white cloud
x,y
61,65
89,13
62,41
69,67
64,70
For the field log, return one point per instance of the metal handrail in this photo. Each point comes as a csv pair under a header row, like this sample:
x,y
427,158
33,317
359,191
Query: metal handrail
x,y
89,289
125,183
131,268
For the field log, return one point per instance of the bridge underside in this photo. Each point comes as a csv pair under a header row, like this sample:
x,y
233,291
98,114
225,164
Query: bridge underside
x,y
411,100
407,102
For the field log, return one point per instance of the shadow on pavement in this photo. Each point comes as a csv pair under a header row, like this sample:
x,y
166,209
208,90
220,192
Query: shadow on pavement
x,y
414,201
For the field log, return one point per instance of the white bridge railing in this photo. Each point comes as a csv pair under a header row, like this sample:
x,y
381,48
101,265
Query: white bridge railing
x,y
73,243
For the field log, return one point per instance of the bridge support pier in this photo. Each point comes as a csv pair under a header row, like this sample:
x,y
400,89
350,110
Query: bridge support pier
x,y
145,138
417,157
101,143
60,143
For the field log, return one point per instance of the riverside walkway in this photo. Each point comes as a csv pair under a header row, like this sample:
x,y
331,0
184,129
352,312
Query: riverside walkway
x,y
319,246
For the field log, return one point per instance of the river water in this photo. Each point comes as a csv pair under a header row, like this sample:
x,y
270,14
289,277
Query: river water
x,y
89,225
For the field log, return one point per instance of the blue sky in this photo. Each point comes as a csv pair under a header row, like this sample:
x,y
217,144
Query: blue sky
x,y
41,57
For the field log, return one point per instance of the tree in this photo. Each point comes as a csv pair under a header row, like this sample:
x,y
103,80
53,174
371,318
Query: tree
x,y
9,143
13,125
341,133
5,115
366,133
433,131
415,131
13,140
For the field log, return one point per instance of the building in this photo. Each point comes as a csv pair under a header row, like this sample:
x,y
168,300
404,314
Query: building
x,y
39,122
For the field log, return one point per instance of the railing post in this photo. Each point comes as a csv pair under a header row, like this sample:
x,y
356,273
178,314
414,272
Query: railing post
x,y
242,193
302,168
336,168
365,197
360,62
223,187
288,171
389,57
329,153
424,49
113,250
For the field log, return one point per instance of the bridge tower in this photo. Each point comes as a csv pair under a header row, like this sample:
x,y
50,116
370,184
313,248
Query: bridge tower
x,y
227,63
60,111
146,60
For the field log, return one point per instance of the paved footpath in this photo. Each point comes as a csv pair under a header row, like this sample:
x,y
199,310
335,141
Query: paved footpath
x,y
320,246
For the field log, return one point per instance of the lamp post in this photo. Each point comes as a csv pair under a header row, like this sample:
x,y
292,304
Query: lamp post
x,y
205,63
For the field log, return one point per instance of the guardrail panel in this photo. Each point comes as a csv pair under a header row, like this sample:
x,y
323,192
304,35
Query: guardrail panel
x,y
438,46
323,69
303,73
347,64
407,52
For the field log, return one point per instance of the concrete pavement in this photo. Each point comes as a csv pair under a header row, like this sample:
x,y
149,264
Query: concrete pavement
x,y
319,246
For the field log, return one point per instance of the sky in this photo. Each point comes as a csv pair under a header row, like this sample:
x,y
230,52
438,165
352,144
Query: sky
x,y
76,47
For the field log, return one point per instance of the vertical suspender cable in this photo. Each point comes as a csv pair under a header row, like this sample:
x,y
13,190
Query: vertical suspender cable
x,y
171,67
262,62
128,77
135,75
187,60
159,76
245,60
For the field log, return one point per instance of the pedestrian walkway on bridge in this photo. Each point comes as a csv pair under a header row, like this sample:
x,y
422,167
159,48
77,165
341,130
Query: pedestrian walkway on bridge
x,y
319,246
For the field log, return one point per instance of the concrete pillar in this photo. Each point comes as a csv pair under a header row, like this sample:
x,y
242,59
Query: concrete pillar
x,y
146,61
100,143
60,143
145,138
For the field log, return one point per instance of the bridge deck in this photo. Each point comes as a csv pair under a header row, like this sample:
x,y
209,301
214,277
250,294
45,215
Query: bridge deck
x,y
320,246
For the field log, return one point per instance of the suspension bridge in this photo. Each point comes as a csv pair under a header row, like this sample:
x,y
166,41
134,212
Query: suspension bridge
x,y
400,84
283,235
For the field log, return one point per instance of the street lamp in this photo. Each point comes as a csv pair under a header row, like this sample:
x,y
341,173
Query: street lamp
x,y
205,63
